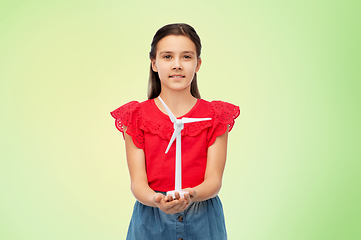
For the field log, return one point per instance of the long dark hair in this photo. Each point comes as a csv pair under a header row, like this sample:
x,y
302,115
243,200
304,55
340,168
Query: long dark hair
x,y
183,29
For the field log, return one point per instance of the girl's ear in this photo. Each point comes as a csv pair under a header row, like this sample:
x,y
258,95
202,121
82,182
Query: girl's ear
x,y
154,66
199,62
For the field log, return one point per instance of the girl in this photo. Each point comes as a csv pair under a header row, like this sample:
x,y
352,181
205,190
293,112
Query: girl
x,y
147,130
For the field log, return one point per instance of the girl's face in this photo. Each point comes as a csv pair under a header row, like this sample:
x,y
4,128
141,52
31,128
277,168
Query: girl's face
x,y
176,62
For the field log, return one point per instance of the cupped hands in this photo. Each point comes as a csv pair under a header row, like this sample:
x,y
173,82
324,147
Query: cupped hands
x,y
169,205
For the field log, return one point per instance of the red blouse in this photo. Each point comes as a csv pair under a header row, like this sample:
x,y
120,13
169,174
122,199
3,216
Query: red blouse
x,y
151,131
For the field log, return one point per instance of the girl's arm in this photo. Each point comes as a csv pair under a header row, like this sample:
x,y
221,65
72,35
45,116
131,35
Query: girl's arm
x,y
139,181
216,161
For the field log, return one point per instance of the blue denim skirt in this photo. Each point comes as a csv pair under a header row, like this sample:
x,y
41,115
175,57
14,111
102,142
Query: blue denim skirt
x,y
201,220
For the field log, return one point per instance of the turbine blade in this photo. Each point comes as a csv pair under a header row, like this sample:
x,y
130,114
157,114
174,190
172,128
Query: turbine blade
x,y
190,120
170,114
175,134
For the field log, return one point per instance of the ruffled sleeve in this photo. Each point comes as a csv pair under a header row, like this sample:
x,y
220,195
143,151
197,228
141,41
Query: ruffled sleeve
x,y
224,114
129,115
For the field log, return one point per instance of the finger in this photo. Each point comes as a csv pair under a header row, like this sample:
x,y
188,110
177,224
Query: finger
x,y
192,193
177,195
167,207
163,199
180,206
172,204
170,198
158,198
188,198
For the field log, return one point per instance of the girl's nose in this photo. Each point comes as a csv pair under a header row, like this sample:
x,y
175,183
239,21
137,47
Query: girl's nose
x,y
177,65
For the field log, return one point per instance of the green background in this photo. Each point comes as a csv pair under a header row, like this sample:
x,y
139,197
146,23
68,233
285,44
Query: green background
x,y
293,166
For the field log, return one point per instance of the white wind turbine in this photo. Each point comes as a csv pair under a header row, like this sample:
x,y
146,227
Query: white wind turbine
x,y
178,126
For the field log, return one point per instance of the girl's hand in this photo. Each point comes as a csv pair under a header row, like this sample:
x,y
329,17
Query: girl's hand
x,y
190,195
170,205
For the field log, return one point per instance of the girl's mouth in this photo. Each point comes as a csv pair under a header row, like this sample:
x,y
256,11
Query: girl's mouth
x,y
176,76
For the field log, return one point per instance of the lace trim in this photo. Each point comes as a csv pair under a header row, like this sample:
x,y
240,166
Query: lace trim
x,y
128,115
165,132
226,113
223,115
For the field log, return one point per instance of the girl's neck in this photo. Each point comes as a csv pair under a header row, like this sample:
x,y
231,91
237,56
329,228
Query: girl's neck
x,y
179,103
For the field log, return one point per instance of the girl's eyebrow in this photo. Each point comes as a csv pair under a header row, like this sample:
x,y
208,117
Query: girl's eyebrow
x,y
167,52
189,52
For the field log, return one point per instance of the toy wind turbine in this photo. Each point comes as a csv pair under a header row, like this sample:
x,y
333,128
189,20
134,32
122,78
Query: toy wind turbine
x,y
178,126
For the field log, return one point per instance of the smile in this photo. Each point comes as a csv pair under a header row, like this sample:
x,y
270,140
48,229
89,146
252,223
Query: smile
x,y
176,76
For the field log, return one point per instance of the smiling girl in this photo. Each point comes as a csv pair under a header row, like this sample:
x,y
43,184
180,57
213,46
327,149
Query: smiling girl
x,y
147,130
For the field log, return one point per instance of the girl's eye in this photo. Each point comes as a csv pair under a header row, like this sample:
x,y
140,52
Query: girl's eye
x,y
187,57
167,57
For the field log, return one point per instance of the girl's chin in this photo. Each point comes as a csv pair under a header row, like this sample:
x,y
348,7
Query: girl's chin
x,y
176,86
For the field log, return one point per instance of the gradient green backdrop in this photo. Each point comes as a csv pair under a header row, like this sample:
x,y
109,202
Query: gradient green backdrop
x,y
293,167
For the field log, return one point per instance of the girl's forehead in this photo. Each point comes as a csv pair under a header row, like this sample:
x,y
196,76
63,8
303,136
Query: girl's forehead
x,y
174,43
